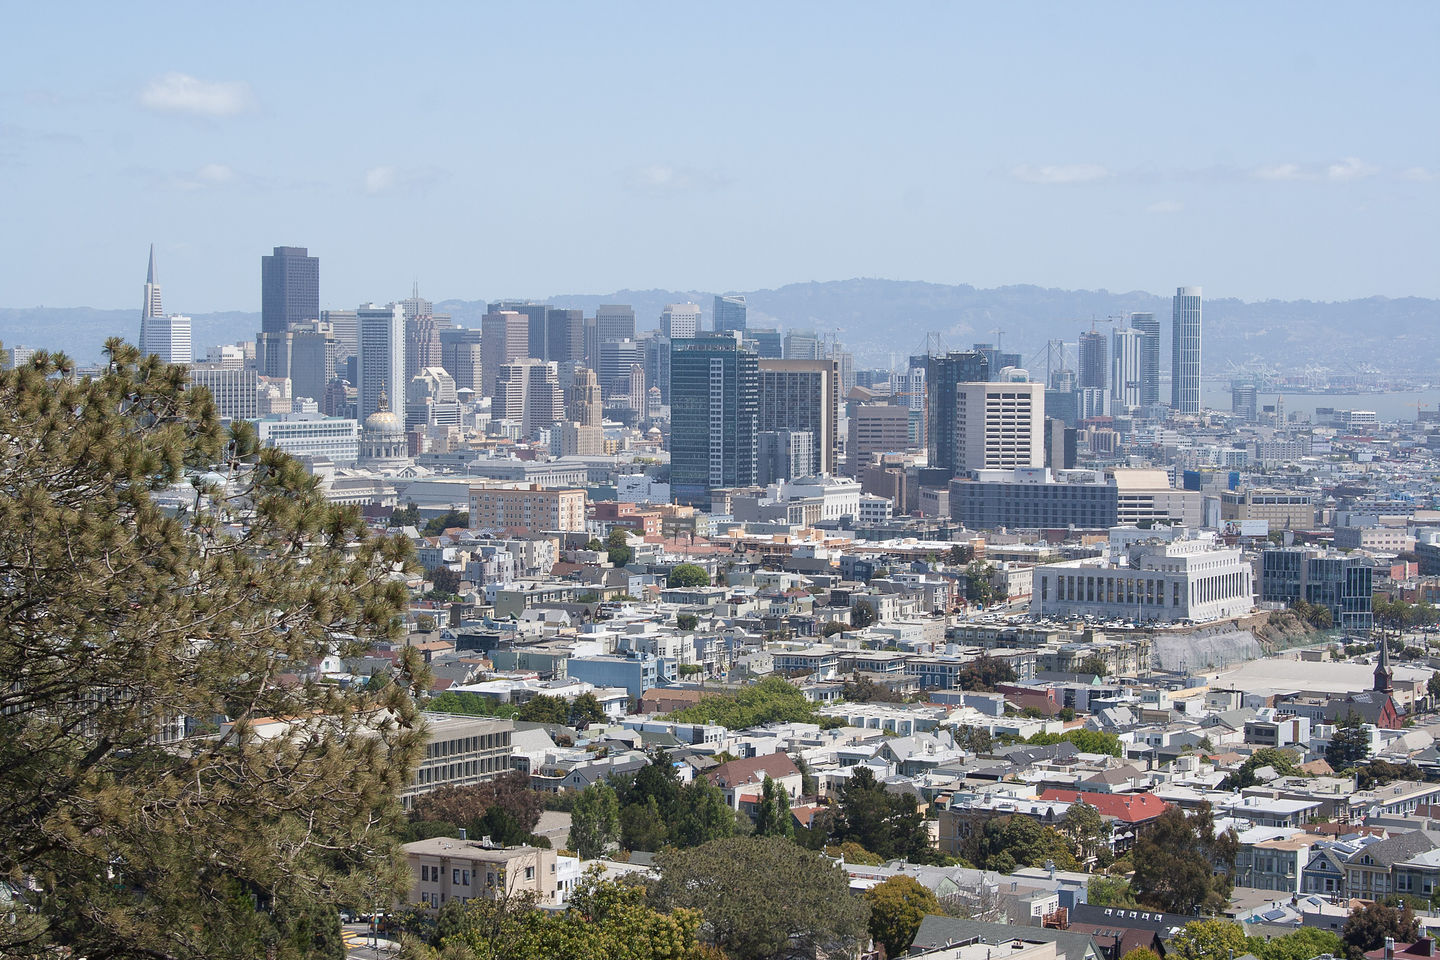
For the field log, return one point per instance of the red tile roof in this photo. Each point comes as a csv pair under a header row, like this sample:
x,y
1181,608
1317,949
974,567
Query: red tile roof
x,y
1127,807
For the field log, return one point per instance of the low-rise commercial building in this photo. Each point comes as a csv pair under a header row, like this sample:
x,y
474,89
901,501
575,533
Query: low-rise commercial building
x,y
1281,509
461,751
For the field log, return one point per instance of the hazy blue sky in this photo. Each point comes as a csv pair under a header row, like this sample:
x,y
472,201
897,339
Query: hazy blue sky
x,y
1261,150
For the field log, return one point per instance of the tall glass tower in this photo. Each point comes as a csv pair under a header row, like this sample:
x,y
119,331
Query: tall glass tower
x,y
1149,329
729,314
289,289
714,416
1185,351
943,374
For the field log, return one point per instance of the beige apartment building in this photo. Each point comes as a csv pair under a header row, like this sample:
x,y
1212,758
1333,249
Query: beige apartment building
x,y
529,507
444,869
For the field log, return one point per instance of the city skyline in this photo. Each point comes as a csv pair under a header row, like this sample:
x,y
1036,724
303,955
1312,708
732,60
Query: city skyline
x,y
984,175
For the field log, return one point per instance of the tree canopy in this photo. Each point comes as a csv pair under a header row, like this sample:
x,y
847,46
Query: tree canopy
x,y
1282,762
897,906
773,819
1368,925
772,700
165,583
1086,741
1349,744
469,704
594,821
687,575
763,898
983,674
1223,940
884,823
505,809
1181,866
602,919
617,546
1006,843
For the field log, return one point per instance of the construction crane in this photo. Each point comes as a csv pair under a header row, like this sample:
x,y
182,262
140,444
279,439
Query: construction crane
x,y
1112,318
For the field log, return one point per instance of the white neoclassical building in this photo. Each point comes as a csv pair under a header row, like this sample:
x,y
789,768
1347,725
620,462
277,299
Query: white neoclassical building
x,y
1180,580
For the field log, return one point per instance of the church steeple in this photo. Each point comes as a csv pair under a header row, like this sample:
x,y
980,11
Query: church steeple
x,y
1384,676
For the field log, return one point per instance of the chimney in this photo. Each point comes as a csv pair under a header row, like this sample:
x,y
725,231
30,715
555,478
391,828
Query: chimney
x,y
1389,948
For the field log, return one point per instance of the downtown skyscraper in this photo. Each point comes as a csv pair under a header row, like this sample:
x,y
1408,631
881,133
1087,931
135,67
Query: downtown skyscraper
x,y
943,376
1094,361
1149,329
152,307
166,336
289,289
729,314
1185,351
381,360
715,412
1126,372
679,320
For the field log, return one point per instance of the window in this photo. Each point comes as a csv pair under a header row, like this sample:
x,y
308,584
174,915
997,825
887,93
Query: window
x,y
464,878
529,873
455,875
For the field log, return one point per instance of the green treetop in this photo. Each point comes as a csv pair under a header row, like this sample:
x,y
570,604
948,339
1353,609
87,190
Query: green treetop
x,y
174,784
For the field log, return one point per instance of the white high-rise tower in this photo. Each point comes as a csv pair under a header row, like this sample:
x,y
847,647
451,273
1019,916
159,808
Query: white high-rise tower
x,y
1127,374
1185,351
680,321
381,357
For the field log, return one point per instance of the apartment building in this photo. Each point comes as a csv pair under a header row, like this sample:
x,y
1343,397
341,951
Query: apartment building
x,y
530,507
444,869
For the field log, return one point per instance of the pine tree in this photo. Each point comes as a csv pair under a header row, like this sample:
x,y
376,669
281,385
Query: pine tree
x,y
773,818
165,584
594,821
1349,744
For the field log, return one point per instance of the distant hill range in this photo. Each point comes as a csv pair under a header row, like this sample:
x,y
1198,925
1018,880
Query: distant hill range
x,y
883,319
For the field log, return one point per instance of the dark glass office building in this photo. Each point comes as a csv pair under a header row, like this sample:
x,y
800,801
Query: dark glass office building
x,y
942,373
289,289
1342,584
729,314
714,416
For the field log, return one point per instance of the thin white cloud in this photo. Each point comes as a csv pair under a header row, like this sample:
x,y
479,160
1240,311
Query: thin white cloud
x,y
1341,171
380,179
208,175
1161,207
1351,168
182,93
1419,175
667,178
215,173
1281,171
1060,173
